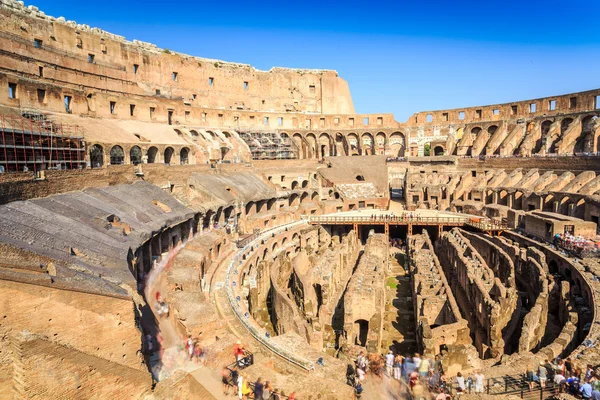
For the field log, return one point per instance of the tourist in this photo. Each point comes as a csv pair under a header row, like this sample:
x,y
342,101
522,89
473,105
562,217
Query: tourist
x,y
258,389
437,365
397,367
189,346
424,367
275,395
542,375
479,378
559,379
549,369
389,363
432,380
240,384
460,383
409,367
417,360
360,373
225,380
268,389
586,390
197,352
361,361
568,367
413,378
292,396
589,372
572,385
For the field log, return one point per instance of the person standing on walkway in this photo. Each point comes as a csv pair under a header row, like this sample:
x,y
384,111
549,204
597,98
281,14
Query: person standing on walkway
x,y
542,374
479,378
397,367
258,389
389,363
225,380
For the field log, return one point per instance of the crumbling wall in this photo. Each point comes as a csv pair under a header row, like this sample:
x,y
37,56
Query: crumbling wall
x,y
438,318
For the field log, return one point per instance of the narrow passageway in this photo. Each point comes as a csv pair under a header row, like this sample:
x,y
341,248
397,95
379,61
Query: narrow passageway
x,y
399,325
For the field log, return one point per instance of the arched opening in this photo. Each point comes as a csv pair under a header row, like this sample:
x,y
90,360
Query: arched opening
x,y
117,156
304,184
135,155
585,142
380,142
553,267
168,155
96,156
325,147
301,145
438,151
492,129
303,197
152,153
354,144
397,145
564,125
360,178
184,156
314,196
361,332
367,144
311,139
294,185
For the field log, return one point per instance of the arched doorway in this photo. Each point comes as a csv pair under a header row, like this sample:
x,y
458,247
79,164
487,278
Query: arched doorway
x,y
184,156
152,153
117,157
96,156
168,155
438,151
135,155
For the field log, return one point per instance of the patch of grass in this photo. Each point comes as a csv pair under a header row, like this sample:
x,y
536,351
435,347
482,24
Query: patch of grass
x,y
391,282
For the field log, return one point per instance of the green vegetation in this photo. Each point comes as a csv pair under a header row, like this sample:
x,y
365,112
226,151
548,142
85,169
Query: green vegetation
x,y
391,282
217,65
167,51
426,149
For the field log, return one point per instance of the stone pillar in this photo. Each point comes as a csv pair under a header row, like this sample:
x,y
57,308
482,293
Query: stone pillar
x,y
494,197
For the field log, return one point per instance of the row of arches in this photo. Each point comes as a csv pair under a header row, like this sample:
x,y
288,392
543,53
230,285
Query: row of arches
x,y
315,145
117,155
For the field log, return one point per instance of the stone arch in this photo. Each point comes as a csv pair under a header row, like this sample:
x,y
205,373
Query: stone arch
x,y
368,144
117,156
294,185
294,237
294,199
475,131
380,143
314,196
492,129
135,155
249,206
311,139
96,156
304,184
325,146
184,155
303,197
585,142
397,144
353,144
168,155
275,247
152,155
439,150
564,124
284,241
301,144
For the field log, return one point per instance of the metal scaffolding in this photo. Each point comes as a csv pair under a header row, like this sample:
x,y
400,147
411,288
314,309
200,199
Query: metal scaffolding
x,y
270,145
31,142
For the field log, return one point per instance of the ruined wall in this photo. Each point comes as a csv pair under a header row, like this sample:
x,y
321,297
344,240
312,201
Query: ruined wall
x,y
103,326
438,317
365,296
487,303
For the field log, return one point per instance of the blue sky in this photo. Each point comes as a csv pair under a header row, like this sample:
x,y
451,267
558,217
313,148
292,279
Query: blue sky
x,y
399,57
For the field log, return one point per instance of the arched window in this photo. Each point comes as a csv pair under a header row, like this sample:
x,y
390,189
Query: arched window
x,y
152,152
117,156
96,156
168,155
135,155
183,156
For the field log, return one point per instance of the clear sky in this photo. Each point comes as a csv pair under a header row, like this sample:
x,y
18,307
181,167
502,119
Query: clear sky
x,y
399,57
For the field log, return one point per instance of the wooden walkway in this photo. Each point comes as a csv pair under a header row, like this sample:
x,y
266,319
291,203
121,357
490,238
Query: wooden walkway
x,y
481,224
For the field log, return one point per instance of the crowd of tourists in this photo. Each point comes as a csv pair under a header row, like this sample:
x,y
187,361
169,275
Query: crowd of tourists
x,y
578,245
237,382
396,218
422,376
564,374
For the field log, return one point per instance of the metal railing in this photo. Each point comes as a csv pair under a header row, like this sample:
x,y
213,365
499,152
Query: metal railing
x,y
245,319
380,219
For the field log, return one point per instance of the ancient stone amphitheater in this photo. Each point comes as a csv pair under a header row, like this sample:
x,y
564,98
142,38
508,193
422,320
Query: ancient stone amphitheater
x,y
258,207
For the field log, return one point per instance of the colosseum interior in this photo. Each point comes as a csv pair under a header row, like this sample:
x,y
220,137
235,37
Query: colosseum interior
x,y
135,178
